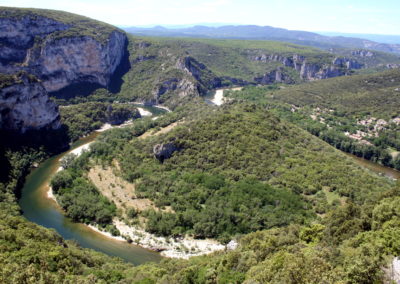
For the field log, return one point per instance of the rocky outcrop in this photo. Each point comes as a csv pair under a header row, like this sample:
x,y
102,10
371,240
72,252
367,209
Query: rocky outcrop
x,y
346,63
205,77
182,87
38,45
164,151
392,66
60,53
275,76
362,53
142,58
192,83
191,66
308,71
25,105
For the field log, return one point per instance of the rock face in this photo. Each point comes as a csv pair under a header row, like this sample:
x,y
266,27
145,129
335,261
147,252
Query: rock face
x,y
362,53
193,83
307,70
207,80
59,54
275,76
32,43
164,151
25,105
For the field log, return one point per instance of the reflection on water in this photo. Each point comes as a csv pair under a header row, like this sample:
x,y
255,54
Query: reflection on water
x,y
385,171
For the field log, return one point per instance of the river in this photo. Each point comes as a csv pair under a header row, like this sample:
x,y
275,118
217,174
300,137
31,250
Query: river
x,y
40,209
377,168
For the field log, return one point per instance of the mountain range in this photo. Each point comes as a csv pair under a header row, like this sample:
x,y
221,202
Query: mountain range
x,y
267,33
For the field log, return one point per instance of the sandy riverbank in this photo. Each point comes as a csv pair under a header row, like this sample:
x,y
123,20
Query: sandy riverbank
x,y
106,234
170,247
151,105
104,127
163,107
79,150
50,194
219,98
396,270
144,112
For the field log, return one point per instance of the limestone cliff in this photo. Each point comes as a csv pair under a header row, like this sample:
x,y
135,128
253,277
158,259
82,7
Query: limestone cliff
x,y
56,52
60,50
306,69
24,104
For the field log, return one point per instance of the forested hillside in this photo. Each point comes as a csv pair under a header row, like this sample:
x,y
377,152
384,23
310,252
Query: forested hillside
x,y
357,114
374,94
354,225
219,180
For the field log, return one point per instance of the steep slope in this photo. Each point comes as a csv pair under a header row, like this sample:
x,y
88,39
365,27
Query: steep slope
x,y
268,33
59,48
172,70
24,104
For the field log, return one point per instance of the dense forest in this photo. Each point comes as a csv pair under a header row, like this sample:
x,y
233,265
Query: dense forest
x,y
352,242
277,181
348,113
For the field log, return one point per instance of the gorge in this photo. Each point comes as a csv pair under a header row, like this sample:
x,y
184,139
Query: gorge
x,y
220,156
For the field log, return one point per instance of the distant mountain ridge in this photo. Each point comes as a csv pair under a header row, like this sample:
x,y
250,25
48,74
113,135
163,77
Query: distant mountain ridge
x,y
267,33
391,39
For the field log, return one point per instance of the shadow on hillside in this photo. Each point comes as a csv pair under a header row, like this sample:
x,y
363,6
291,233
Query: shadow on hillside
x,y
116,79
83,89
26,148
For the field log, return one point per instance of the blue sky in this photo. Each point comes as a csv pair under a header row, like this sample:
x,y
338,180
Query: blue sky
x,y
351,16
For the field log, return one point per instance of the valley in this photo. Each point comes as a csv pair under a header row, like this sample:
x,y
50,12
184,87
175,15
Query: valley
x,y
140,158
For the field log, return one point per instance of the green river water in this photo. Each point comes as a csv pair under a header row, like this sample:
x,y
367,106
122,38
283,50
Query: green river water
x,y
40,209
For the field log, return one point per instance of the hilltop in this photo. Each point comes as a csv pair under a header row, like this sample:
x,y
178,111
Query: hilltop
x,y
73,24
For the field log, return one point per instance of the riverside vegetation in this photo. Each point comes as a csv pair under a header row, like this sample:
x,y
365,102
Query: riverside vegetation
x,y
300,210
361,224
83,118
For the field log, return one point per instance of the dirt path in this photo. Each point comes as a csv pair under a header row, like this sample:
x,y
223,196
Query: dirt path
x,y
118,190
161,131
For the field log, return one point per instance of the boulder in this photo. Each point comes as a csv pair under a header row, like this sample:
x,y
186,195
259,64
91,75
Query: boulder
x,y
164,151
